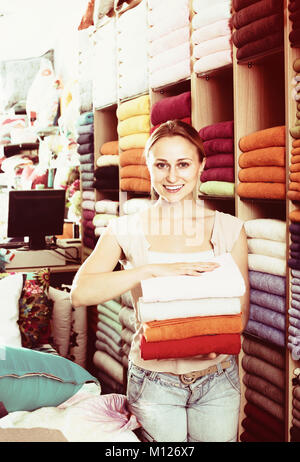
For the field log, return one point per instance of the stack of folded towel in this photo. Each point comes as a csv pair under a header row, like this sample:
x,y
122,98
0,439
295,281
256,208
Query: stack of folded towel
x,y
170,108
134,130
258,26
132,51
295,129
294,16
262,162
105,55
106,174
209,318
127,320
264,379
217,178
169,41
108,357
295,429
88,212
294,309
85,140
211,37
105,210
267,275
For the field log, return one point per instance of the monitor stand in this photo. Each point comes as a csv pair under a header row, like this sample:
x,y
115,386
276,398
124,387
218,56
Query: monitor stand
x,y
37,242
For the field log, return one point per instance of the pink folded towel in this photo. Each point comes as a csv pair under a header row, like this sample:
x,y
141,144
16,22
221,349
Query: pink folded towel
x,y
212,46
172,107
213,61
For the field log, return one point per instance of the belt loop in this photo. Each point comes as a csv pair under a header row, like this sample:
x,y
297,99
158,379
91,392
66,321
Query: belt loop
x,y
152,375
219,368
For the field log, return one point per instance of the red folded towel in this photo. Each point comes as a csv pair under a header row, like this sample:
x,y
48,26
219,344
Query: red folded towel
x,y
218,174
258,10
219,160
218,146
240,4
267,43
257,30
202,345
218,130
172,107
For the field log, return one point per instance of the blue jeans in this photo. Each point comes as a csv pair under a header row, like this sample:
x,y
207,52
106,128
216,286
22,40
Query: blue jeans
x,y
170,411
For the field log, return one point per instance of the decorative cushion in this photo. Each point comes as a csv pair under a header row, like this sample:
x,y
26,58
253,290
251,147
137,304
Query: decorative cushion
x,y
35,310
10,291
30,379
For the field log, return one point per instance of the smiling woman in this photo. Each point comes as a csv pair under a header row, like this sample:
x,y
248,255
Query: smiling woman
x,y
185,377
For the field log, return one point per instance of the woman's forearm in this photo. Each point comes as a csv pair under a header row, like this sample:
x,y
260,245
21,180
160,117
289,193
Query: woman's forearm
x,y
93,288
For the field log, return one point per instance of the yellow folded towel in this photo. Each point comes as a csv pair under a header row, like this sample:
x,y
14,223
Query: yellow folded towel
x,y
137,140
133,107
135,124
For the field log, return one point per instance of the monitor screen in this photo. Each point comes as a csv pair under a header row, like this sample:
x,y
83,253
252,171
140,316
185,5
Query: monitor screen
x,y
36,213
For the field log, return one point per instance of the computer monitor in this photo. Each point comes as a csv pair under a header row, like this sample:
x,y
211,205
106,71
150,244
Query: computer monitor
x,y
36,213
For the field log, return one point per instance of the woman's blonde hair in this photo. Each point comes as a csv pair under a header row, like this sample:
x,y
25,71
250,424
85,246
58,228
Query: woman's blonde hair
x,y
176,128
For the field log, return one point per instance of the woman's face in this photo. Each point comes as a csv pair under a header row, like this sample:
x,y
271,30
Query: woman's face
x,y
174,168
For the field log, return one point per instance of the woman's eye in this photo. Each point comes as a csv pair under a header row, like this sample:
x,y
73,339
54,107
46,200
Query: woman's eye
x,y
160,165
184,164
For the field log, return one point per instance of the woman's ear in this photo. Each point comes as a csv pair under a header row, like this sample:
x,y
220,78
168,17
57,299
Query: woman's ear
x,y
202,165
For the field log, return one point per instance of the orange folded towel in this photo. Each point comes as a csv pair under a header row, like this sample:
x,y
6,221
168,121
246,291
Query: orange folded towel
x,y
180,328
273,136
295,151
267,174
261,190
294,186
293,195
296,143
135,184
132,156
295,176
295,167
110,147
135,171
295,159
274,155
295,215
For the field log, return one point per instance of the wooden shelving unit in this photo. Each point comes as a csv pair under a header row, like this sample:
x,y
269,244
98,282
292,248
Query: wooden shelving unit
x,y
256,94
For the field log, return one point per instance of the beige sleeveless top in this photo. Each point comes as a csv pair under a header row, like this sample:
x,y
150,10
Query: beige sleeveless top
x,y
129,233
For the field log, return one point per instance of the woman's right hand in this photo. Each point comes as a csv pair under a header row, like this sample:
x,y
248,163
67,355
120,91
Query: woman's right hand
x,y
181,268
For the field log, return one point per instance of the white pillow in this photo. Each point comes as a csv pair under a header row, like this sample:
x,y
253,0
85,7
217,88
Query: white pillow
x,y
10,293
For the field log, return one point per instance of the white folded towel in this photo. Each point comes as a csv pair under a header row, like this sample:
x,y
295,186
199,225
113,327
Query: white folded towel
x,y
266,228
158,311
211,14
267,247
224,281
266,264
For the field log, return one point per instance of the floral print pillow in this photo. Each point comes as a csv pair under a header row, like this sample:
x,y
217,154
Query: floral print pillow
x,y
35,309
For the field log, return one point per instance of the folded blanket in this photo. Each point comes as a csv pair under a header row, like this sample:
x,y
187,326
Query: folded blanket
x,y
110,147
267,174
127,318
294,186
160,311
265,388
88,204
109,365
136,140
294,215
102,219
85,138
218,146
87,176
85,148
263,369
255,11
172,107
181,328
266,419
266,228
266,264
104,347
261,190
264,352
87,158
115,336
87,167
133,156
210,31
213,61
135,171
257,30
219,160
204,344
133,107
107,172
263,402
295,167
107,206
88,214
87,185
268,317
218,174
173,39
108,160
211,46
134,124
266,332
109,342
88,195
88,128
294,228
262,45
267,247
217,130
293,195
135,184
263,157
217,188
224,281
273,136
267,282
